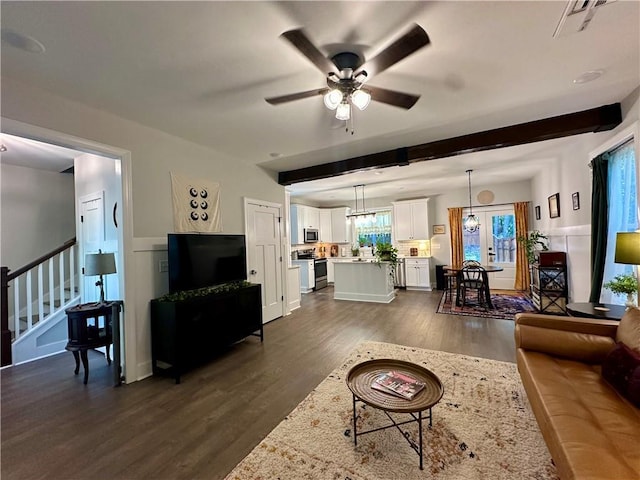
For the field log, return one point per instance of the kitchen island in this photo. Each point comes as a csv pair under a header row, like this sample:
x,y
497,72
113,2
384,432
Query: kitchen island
x,y
363,281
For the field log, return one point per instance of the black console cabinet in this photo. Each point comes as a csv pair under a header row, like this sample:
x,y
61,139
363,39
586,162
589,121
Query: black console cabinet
x,y
190,332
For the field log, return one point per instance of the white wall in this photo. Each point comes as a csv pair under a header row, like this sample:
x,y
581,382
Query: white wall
x,y
569,173
154,154
506,193
37,213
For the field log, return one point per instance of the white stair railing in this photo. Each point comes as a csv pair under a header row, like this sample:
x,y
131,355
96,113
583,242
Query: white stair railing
x,y
31,304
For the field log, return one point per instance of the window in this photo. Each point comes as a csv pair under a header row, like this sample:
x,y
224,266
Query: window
x,y
622,196
370,232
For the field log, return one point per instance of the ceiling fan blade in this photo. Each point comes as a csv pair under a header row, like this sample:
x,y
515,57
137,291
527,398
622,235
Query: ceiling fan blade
x,y
391,97
296,96
298,38
413,40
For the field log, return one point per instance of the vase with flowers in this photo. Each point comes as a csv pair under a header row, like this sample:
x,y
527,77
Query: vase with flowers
x,y
624,284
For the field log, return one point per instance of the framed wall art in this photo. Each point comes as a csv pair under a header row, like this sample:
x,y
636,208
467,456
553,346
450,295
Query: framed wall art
x,y
554,205
575,199
537,209
438,229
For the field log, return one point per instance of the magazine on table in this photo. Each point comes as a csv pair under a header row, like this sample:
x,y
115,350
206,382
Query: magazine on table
x,y
397,383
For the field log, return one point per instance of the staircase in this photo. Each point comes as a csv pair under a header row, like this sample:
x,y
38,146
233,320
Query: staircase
x,y
33,319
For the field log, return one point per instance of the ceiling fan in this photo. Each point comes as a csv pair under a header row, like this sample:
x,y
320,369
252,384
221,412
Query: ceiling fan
x,y
346,73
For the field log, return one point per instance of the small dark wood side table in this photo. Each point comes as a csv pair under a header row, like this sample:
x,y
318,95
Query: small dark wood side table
x,y
596,310
86,331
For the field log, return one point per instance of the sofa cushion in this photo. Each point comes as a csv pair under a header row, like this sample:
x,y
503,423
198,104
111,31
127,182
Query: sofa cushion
x,y
621,368
629,329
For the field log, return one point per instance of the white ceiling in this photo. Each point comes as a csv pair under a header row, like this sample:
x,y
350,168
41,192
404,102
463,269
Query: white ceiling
x,y
201,70
25,152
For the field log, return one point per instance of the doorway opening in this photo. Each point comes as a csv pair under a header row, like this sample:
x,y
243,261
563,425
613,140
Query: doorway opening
x,y
116,232
494,243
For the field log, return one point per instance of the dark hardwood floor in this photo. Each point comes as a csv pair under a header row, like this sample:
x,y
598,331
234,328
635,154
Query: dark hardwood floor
x,y
54,427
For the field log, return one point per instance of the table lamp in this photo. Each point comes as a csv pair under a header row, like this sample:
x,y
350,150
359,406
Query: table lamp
x,y
628,249
99,264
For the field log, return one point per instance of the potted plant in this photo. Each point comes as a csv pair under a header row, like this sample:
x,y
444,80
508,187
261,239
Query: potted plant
x,y
532,243
385,252
624,284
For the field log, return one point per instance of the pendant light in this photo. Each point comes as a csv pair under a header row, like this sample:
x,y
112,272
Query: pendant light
x,y
361,215
471,223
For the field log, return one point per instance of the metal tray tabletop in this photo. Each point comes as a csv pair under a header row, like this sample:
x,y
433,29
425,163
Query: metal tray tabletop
x,y
362,375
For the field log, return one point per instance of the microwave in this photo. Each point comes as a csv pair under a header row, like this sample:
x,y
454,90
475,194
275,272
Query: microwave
x,y
311,235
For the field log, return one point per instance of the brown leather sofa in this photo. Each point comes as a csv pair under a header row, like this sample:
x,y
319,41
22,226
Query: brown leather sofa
x,y
591,430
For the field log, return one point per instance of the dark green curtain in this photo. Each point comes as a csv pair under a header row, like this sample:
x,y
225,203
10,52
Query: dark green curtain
x,y
599,222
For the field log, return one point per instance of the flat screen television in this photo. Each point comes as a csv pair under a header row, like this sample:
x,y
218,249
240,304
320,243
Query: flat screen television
x,y
203,260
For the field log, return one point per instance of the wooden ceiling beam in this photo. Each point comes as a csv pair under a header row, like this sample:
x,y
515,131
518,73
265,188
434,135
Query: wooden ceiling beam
x,y
597,119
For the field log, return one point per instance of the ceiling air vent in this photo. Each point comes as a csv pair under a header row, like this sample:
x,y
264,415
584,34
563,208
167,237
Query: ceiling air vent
x,y
577,15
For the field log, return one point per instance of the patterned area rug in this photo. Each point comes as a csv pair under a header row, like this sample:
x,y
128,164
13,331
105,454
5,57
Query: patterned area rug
x,y
506,304
483,428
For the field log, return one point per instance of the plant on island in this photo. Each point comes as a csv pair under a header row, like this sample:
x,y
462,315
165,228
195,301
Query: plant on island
x,y
385,252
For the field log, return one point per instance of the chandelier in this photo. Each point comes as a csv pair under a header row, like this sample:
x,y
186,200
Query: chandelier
x,y
471,223
361,215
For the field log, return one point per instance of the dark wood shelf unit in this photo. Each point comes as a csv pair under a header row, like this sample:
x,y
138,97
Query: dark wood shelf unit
x,y
191,332
549,288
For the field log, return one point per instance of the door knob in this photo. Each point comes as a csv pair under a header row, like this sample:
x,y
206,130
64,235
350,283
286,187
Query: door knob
x,y
253,272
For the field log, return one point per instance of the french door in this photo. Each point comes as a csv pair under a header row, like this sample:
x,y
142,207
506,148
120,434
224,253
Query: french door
x,y
494,243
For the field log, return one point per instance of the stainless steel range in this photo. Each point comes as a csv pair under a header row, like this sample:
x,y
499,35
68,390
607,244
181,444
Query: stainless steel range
x,y
319,267
320,272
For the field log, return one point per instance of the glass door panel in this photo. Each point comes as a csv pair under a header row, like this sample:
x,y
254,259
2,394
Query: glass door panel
x,y
494,243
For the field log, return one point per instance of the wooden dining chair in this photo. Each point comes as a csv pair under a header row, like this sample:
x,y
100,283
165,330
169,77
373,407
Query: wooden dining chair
x,y
451,278
473,278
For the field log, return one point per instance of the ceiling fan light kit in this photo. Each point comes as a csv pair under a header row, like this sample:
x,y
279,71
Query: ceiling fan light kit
x,y
346,72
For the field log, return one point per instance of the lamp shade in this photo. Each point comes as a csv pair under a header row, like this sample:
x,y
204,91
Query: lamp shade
x,y
99,263
360,99
343,112
628,248
332,99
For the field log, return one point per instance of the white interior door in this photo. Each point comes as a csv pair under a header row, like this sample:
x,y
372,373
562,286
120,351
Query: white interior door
x,y
494,243
92,239
265,256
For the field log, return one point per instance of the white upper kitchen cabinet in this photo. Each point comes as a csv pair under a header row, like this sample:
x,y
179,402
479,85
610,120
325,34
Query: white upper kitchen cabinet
x,y
411,220
340,225
312,217
303,216
326,234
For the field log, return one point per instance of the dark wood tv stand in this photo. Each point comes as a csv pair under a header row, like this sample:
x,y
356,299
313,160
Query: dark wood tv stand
x,y
190,332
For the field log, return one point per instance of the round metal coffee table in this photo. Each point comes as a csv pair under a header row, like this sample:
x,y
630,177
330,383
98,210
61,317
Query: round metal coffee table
x,y
359,381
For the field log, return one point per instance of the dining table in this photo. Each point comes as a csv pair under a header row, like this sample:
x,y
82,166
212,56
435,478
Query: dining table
x,y
487,290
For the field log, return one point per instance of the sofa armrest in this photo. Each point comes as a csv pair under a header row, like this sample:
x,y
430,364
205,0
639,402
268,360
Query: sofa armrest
x,y
577,338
